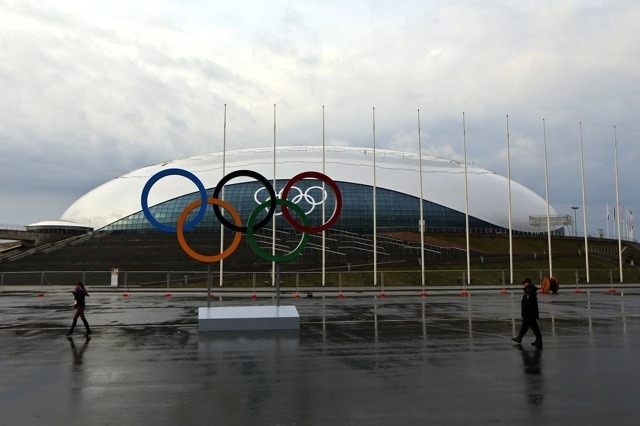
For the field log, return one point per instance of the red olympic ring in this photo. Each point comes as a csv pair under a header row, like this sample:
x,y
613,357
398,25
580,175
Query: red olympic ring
x,y
336,211
197,256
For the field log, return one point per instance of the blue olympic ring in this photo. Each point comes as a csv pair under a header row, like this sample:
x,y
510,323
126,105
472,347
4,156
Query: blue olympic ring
x,y
168,172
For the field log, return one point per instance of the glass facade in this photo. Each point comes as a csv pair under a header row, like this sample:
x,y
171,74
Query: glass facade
x,y
395,211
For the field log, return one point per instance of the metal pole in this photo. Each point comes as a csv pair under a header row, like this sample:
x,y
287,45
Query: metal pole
x,y
209,281
466,199
273,224
277,283
375,226
546,184
324,205
615,146
224,155
509,201
421,206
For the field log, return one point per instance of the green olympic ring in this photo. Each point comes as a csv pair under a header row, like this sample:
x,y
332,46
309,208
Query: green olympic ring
x,y
267,256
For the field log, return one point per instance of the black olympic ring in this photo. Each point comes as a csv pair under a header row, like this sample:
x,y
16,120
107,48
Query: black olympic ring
x,y
256,176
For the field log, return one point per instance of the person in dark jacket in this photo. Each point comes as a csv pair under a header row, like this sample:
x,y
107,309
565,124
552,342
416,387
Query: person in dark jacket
x,y
530,314
79,294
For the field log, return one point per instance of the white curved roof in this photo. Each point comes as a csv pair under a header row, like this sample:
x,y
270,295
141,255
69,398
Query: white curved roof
x,y
55,224
443,182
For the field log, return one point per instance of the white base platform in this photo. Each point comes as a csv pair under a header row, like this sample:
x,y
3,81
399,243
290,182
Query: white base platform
x,y
248,318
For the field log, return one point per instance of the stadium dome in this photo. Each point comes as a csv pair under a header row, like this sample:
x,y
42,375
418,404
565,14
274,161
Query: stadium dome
x,y
116,205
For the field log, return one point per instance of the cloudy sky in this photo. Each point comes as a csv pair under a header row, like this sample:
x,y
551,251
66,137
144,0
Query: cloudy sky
x,y
90,90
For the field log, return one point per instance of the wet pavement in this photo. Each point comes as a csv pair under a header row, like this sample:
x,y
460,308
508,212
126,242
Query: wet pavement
x,y
441,359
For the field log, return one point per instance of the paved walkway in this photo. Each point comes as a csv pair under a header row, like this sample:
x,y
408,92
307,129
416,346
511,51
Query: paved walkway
x,y
443,359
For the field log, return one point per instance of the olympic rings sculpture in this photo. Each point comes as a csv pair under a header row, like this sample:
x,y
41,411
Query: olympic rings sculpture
x,y
269,205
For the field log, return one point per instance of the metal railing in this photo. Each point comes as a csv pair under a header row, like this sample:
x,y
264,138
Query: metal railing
x,y
9,227
300,280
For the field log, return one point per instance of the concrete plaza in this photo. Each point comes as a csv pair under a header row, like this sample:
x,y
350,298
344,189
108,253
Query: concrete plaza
x,y
402,359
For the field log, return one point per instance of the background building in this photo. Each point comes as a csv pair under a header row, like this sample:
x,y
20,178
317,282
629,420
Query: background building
x,y
116,205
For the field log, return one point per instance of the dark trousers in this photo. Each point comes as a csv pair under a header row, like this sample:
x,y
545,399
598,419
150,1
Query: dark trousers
x,y
79,313
533,324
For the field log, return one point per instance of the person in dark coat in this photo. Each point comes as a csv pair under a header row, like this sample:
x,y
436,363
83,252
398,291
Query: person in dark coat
x,y
530,314
79,294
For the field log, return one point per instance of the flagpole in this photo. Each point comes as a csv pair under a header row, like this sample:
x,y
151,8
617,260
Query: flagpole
x,y
626,222
274,279
509,200
607,203
584,208
615,146
466,199
224,154
421,227
546,183
375,203
324,204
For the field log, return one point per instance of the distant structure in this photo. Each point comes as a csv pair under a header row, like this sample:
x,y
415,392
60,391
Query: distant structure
x,y
46,231
562,220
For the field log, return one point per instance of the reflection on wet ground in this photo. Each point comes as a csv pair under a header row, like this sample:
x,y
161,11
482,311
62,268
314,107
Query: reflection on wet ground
x,y
441,359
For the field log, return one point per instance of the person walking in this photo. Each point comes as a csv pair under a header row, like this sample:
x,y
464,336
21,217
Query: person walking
x,y
529,312
79,294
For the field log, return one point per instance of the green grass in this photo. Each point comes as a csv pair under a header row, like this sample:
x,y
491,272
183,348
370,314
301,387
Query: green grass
x,y
489,265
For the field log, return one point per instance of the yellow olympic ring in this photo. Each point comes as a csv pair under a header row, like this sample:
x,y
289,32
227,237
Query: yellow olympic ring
x,y
196,255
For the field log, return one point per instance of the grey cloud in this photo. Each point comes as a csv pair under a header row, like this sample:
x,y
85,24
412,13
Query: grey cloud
x,y
81,101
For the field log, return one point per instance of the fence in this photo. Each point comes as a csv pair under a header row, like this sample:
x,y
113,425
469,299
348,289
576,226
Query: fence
x,y
301,280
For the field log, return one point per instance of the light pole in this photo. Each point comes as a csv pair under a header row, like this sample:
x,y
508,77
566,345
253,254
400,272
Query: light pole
x,y
575,234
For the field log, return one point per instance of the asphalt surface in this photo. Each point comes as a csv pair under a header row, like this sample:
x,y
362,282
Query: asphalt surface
x,y
441,359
